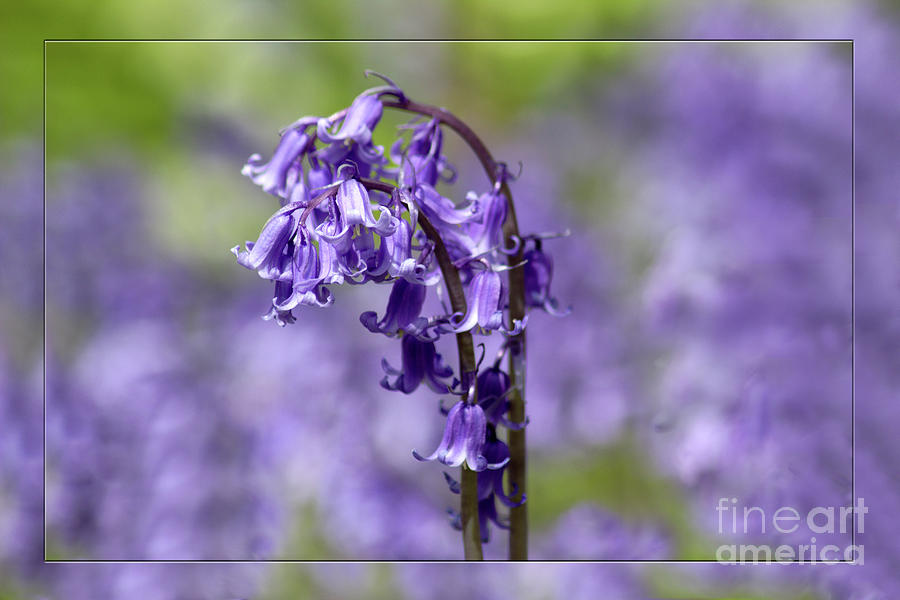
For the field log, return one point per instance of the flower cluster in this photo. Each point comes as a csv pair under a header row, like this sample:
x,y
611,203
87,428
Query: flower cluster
x,y
350,213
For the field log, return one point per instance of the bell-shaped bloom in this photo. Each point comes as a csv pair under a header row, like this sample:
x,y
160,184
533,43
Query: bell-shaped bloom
x,y
538,271
302,286
318,295
305,265
493,396
483,302
490,481
421,362
306,280
487,232
487,513
493,387
463,440
351,139
287,298
357,124
271,176
400,261
266,255
404,307
490,486
493,391
280,316
354,208
305,184
424,153
483,296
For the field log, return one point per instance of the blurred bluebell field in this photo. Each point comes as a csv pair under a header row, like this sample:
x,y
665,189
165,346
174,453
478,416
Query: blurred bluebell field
x,y
711,269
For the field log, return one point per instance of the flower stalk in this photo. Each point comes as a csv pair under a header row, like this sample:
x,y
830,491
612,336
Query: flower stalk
x,y
518,534
468,369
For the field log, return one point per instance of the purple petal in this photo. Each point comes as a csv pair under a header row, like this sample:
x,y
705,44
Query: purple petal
x,y
475,432
271,176
271,242
486,295
452,432
353,203
443,210
361,117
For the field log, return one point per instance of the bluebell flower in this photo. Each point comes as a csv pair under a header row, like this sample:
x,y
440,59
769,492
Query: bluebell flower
x,y
538,271
424,153
401,262
421,362
357,124
483,300
493,391
483,303
304,185
281,316
403,309
490,481
286,254
306,287
463,440
487,232
490,486
352,208
351,140
272,175
266,255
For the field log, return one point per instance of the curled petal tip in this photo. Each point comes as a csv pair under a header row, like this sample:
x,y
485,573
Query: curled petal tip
x,y
477,463
550,306
369,320
496,466
517,328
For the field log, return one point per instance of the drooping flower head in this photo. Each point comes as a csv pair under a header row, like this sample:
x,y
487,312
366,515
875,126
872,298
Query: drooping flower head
x,y
350,215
